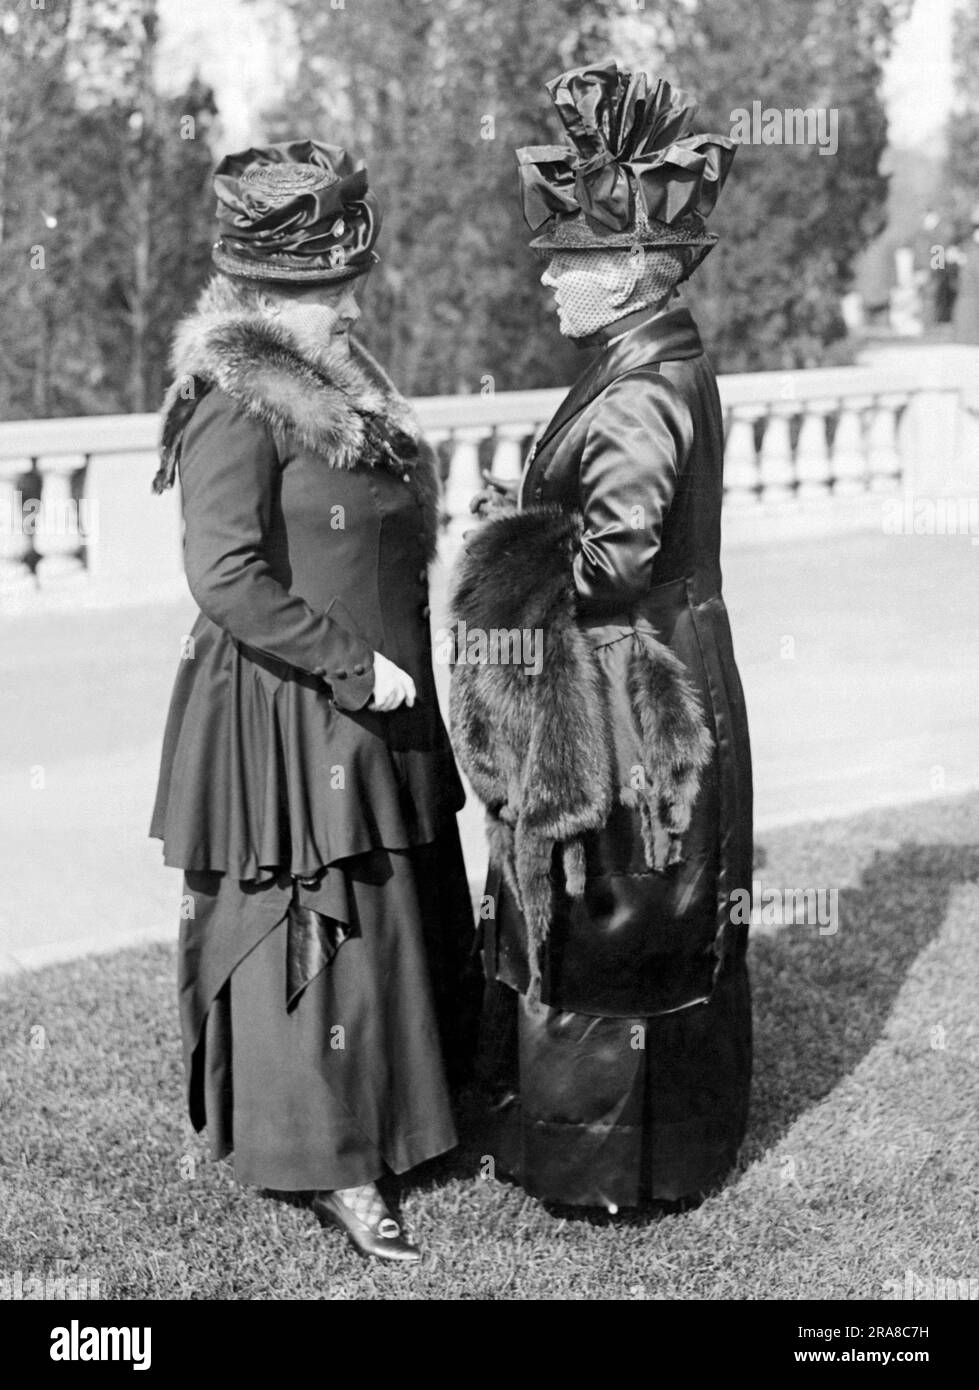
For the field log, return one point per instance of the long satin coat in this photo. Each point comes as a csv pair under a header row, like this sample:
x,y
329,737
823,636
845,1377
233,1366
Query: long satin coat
x,y
637,447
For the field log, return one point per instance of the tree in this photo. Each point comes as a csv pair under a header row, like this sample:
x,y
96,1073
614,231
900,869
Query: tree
x,y
105,208
35,123
962,166
106,203
436,98
792,221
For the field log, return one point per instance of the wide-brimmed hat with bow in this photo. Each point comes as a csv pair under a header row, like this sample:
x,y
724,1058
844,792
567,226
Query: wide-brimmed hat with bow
x,y
634,174
298,211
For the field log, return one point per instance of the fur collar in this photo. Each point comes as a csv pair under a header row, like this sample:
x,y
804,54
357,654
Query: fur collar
x,y
344,409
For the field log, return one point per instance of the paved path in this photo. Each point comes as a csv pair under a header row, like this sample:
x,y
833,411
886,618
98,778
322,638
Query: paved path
x,y
860,659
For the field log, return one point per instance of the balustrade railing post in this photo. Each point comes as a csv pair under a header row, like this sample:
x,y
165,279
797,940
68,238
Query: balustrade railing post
x,y
16,546
465,479
883,456
59,541
508,451
812,464
933,428
740,461
435,439
775,472
849,457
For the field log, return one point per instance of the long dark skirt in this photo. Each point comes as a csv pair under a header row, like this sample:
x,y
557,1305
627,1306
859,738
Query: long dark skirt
x,y
596,1111
351,1077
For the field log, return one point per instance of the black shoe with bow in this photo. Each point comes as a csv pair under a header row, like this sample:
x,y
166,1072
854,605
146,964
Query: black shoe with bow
x,y
380,1237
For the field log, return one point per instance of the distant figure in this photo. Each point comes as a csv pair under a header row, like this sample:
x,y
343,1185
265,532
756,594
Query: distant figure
x,y
938,271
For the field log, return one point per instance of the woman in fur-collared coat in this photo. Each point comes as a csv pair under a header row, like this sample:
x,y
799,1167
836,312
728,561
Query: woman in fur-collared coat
x,y
615,765
307,786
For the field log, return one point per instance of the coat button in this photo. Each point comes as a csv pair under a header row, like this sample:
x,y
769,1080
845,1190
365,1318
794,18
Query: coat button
x,y
424,610
538,493
339,675
406,477
359,670
423,576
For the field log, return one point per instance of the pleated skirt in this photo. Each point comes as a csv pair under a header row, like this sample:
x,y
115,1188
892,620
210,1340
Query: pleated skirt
x,y
352,1078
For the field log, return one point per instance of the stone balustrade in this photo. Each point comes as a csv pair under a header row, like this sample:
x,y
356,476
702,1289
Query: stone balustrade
x,y
806,452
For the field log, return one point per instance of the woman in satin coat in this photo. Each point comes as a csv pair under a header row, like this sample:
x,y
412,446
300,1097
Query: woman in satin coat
x,y
617,1028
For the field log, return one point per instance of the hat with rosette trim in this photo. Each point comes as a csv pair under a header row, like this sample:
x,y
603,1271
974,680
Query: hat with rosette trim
x,y
634,174
297,211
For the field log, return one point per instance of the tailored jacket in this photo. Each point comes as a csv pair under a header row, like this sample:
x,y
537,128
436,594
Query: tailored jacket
x,y
310,512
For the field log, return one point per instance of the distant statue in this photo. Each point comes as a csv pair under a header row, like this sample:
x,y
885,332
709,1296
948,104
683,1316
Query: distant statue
x,y
905,300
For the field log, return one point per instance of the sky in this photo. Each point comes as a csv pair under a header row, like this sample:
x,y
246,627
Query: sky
x,y
237,48
247,63
918,85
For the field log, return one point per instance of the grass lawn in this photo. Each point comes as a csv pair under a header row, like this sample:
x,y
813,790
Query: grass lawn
x,y
861,1161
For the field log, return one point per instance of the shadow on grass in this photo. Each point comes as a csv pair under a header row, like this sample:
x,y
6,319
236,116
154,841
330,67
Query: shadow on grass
x,y
820,1004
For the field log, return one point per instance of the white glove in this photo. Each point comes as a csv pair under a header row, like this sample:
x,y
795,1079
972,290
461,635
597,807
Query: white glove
x,y
392,686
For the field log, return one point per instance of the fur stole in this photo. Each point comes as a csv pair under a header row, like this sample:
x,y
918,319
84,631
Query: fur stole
x,y
344,409
536,741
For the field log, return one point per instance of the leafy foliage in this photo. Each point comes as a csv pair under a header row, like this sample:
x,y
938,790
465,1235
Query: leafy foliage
x,y
963,132
435,98
792,221
111,182
105,208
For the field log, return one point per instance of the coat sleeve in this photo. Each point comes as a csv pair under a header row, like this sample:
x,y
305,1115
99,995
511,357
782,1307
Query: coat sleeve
x,y
228,472
636,446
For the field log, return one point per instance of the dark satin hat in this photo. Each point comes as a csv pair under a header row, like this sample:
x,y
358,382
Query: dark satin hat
x,y
633,171
297,211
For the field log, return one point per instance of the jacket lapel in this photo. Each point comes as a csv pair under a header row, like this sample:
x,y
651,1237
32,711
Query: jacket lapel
x,y
665,337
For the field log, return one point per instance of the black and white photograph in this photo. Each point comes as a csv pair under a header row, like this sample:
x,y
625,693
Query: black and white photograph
x,y
489,772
